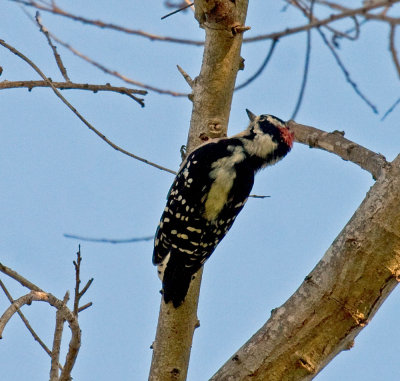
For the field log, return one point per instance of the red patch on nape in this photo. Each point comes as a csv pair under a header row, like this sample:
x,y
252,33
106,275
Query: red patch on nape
x,y
287,136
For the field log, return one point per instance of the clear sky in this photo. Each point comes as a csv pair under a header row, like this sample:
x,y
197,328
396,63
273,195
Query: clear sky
x,y
57,178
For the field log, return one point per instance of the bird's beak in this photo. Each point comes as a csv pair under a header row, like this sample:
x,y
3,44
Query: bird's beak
x,y
251,115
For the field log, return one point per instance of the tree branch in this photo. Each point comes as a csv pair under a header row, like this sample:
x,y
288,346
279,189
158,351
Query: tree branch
x,y
27,324
110,240
57,57
392,48
75,341
19,278
76,112
57,338
56,10
74,86
261,68
335,142
115,73
345,12
348,12
336,300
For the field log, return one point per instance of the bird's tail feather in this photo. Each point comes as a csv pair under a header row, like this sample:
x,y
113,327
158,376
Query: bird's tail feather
x,y
176,281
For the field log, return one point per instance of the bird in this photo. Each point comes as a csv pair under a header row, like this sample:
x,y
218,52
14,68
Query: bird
x,y
209,191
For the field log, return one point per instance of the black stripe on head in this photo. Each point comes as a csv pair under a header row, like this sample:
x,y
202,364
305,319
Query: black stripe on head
x,y
270,124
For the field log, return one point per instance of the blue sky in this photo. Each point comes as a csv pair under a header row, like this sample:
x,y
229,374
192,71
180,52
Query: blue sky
x,y
57,177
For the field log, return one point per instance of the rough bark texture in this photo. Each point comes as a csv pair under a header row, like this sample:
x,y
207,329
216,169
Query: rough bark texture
x,y
336,300
336,143
213,88
211,96
175,329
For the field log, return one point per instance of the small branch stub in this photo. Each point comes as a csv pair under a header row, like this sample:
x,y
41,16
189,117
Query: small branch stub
x,y
185,75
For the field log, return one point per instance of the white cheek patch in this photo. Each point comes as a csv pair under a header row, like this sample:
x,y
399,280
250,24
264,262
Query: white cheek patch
x,y
262,144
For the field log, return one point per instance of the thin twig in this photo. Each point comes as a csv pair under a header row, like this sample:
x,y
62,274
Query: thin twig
x,y
84,307
105,69
392,48
114,72
57,57
346,73
77,86
374,16
306,66
261,68
393,51
77,265
305,75
107,240
177,10
186,76
390,109
258,196
84,289
308,13
19,278
79,293
75,111
346,34
56,10
362,11
336,33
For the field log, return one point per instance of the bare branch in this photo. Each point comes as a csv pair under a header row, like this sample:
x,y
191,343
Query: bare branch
x,y
393,50
346,73
391,108
109,240
84,307
258,196
177,10
336,143
74,344
56,10
318,23
57,341
109,71
186,76
19,278
79,293
261,68
395,57
57,57
74,86
115,73
337,299
75,111
309,15
305,75
306,64
27,324
345,13
368,16
84,289
77,265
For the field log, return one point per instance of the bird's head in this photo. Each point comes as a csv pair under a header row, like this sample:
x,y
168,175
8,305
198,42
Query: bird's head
x,y
270,124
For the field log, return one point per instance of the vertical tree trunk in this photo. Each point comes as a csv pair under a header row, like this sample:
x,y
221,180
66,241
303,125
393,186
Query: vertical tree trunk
x,y
212,91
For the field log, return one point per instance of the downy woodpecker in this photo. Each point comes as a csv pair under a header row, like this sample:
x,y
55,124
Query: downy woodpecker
x,y
208,193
